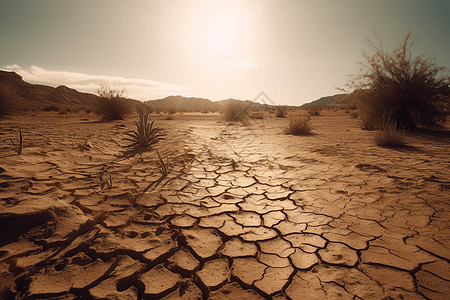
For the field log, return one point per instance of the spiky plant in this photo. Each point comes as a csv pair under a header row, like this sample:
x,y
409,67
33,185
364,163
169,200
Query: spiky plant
x,y
145,136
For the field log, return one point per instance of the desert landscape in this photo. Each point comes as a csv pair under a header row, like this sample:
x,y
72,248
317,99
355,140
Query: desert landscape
x,y
213,150
244,211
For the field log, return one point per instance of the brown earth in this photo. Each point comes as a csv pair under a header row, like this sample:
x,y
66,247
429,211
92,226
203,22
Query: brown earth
x,y
245,212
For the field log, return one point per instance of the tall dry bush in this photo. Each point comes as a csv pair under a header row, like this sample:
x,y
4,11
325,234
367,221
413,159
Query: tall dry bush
x,y
112,104
235,112
413,91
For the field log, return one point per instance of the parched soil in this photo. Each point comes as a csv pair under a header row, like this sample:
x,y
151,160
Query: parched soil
x,y
245,212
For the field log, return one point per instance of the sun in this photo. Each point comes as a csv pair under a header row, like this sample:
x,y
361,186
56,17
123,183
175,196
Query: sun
x,y
221,32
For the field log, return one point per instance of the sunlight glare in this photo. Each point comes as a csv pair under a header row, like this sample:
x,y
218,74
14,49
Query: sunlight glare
x,y
221,32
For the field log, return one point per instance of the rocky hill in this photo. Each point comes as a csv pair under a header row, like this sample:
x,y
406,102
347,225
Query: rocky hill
x,y
338,99
23,94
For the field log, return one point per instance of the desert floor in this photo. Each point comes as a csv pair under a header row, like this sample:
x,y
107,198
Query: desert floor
x,y
245,212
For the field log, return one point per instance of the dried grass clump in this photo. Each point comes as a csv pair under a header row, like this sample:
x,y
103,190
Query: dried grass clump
x,y
281,111
354,114
391,134
299,126
235,112
314,111
145,136
112,105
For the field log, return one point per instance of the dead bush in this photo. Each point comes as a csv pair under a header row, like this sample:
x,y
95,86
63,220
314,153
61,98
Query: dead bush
x,y
235,112
413,91
390,134
112,105
299,126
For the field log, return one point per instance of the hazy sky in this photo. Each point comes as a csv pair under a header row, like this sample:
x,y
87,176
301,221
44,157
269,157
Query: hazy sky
x,y
294,51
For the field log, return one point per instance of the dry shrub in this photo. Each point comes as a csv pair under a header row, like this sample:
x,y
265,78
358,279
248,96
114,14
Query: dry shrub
x,y
390,135
299,126
413,91
354,114
112,105
281,111
172,110
314,111
52,107
235,112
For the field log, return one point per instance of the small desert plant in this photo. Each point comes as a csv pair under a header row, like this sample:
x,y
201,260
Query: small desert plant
x,y
257,115
281,111
7,98
314,111
169,117
52,107
112,105
20,148
299,126
354,114
390,134
145,136
235,112
172,110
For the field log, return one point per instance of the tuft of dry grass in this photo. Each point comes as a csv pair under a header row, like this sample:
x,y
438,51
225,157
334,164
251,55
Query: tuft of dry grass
x,y
235,112
299,126
390,134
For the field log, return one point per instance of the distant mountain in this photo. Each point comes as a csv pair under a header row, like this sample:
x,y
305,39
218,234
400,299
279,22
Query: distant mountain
x,y
183,103
25,94
338,99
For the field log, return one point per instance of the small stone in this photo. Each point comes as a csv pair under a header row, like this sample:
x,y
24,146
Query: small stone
x,y
214,273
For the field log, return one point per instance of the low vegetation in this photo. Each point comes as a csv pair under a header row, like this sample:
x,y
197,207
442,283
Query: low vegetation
x,y
112,105
390,135
314,111
145,136
281,111
299,126
7,97
235,112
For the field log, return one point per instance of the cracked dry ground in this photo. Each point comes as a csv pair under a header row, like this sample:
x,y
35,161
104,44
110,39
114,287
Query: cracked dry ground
x,y
330,216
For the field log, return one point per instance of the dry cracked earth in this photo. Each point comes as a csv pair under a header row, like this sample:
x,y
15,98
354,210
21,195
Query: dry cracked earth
x,y
244,213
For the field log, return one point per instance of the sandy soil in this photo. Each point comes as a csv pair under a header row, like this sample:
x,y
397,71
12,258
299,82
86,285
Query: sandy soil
x,y
245,212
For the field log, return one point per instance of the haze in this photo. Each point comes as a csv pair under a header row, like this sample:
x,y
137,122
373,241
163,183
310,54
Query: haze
x,y
294,51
